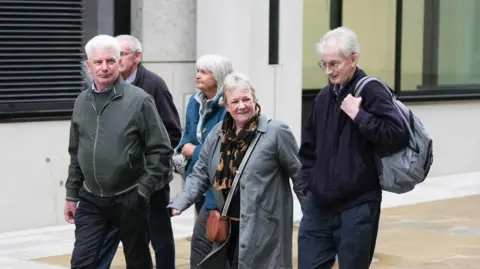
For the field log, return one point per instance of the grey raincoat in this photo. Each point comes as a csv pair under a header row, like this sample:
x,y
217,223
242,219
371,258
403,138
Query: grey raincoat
x,y
266,209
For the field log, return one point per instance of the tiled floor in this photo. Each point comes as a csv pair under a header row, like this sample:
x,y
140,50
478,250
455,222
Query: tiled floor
x,y
438,235
436,226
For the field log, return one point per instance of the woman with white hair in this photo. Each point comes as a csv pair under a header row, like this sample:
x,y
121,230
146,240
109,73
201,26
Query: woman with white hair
x,y
204,111
248,160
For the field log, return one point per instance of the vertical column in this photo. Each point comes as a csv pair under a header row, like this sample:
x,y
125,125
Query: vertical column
x,y
288,101
168,33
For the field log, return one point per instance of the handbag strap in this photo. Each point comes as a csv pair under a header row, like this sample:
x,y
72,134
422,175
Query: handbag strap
x,y
238,174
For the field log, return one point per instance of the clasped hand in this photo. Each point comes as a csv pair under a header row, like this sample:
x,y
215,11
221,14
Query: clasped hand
x,y
351,105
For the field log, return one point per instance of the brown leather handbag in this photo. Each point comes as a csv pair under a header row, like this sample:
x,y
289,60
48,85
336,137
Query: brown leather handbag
x,y
218,225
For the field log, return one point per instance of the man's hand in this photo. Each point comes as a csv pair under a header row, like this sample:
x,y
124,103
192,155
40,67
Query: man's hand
x,y
176,212
143,197
187,150
69,211
351,105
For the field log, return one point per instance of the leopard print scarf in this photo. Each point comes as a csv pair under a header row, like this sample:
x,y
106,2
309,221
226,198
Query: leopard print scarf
x,y
233,149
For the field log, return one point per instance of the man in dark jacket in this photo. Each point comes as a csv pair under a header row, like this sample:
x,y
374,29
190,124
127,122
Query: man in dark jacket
x,y
120,153
337,153
161,232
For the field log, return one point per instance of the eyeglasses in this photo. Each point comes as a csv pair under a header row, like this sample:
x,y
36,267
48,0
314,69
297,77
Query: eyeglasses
x,y
332,65
123,53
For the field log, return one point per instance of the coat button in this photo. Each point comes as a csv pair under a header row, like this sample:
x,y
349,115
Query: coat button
x,y
242,216
204,130
242,186
243,246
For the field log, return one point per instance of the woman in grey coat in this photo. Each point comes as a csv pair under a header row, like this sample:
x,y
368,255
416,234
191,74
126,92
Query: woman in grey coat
x,y
261,211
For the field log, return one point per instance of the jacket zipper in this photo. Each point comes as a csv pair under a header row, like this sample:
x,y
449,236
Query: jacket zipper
x,y
94,157
130,159
95,150
95,143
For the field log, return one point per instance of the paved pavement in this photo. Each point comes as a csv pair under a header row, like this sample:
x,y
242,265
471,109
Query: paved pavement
x,y
435,226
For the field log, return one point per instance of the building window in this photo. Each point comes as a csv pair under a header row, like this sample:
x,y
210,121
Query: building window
x,y
41,56
423,49
316,21
454,44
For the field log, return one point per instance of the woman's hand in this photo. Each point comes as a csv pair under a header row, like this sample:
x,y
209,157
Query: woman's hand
x,y
176,212
187,150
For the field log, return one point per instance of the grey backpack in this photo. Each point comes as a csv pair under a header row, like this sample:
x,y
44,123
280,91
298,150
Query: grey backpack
x,y
401,171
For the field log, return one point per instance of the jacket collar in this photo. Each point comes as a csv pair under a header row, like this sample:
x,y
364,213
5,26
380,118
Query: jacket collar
x,y
216,101
263,123
140,73
118,88
348,87
215,104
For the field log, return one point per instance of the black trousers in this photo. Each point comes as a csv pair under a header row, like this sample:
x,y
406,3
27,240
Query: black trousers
x,y
351,234
161,234
95,216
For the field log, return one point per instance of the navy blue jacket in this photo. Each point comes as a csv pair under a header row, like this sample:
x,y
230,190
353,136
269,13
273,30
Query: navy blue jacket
x,y
337,153
156,87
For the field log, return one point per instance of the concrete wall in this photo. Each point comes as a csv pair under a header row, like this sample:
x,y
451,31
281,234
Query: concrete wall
x,y
33,169
455,133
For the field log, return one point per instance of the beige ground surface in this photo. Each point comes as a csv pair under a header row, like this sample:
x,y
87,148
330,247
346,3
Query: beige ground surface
x,y
438,235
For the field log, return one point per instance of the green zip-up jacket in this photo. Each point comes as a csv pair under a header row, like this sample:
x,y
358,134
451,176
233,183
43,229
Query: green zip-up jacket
x,y
117,147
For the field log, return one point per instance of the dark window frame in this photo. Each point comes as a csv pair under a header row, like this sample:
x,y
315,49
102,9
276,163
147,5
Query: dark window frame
x,y
122,17
429,90
273,32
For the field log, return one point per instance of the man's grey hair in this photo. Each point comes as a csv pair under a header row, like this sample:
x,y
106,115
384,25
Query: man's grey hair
x,y
135,44
218,65
236,81
102,42
345,40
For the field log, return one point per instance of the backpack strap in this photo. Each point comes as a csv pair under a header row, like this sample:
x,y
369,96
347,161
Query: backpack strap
x,y
364,81
407,117
359,86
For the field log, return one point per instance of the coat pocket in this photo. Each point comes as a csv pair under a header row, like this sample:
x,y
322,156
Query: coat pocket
x,y
132,167
135,158
265,240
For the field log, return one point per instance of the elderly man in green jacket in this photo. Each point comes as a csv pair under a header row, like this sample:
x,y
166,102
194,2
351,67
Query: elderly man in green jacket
x,y
120,153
